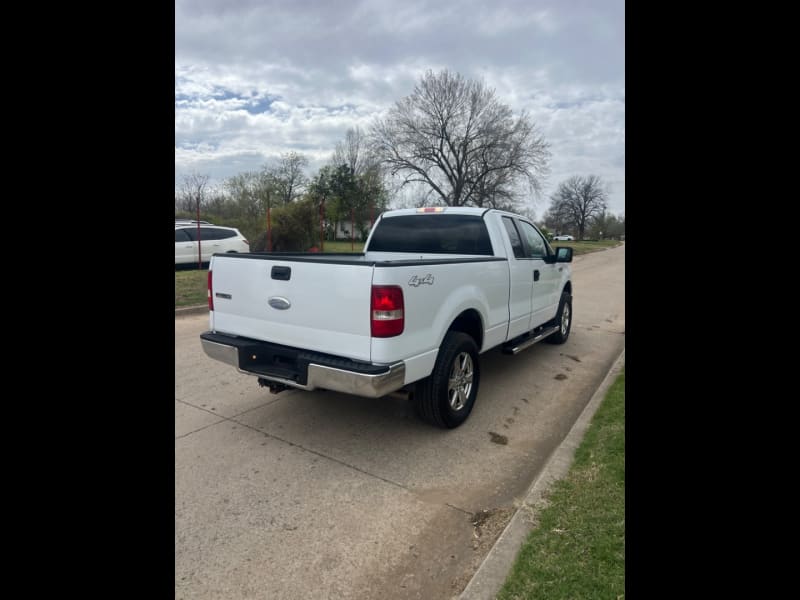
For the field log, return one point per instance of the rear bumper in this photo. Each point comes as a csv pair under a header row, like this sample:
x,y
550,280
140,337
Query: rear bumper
x,y
303,369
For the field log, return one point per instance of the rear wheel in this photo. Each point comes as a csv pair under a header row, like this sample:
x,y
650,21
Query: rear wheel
x,y
563,320
446,397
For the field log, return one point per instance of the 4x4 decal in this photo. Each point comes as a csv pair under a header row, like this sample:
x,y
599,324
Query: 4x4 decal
x,y
416,281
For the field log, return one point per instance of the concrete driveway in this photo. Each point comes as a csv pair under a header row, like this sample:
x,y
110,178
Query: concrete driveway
x,y
324,495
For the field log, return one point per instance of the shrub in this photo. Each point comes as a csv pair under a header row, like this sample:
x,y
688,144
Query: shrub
x,y
294,228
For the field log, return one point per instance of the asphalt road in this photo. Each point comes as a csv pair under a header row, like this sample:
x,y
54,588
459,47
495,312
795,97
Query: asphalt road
x,y
324,495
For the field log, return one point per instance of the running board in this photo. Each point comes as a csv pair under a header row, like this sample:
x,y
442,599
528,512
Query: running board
x,y
516,348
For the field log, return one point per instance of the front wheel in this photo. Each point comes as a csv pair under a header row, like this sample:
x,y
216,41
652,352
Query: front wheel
x,y
563,320
446,397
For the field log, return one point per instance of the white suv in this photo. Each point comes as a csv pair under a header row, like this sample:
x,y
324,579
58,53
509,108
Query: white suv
x,y
213,238
179,222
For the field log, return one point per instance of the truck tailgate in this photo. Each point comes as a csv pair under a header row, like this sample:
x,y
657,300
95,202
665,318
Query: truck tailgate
x,y
328,302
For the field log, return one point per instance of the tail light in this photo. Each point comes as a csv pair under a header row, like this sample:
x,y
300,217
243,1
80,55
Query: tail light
x,y
210,292
388,317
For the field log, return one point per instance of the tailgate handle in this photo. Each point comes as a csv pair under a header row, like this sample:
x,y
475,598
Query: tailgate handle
x,y
282,273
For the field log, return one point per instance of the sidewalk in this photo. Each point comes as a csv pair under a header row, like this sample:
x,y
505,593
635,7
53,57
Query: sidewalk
x,y
184,311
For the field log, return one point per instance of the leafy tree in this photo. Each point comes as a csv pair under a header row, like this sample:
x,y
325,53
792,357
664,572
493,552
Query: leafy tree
x,y
346,195
295,226
357,173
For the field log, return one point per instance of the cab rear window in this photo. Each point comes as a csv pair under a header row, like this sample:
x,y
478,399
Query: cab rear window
x,y
432,234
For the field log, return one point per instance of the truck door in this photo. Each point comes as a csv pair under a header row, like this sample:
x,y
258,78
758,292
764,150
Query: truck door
x,y
519,303
546,277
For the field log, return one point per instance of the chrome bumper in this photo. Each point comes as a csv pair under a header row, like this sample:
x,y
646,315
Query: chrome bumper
x,y
321,376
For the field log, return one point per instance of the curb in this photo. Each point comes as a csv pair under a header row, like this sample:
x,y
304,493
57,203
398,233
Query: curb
x,y
494,569
191,310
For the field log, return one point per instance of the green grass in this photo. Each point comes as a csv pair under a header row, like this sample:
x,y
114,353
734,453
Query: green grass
x,y
191,287
578,547
340,246
585,246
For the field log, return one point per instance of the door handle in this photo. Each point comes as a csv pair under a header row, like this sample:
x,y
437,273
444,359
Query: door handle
x,y
281,273
536,275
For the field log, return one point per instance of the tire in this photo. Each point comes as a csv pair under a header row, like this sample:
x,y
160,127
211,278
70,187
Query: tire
x,y
441,403
564,319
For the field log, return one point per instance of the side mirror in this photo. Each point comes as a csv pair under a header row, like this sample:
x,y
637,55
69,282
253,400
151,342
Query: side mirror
x,y
563,254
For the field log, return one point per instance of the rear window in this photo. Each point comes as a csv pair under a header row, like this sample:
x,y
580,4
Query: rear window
x,y
432,234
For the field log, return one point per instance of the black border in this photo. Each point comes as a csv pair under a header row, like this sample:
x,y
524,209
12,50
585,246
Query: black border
x,y
104,512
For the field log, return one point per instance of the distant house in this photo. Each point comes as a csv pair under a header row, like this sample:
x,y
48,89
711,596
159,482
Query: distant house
x,y
343,230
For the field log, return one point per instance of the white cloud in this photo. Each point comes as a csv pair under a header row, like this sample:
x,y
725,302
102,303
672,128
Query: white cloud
x,y
494,21
256,78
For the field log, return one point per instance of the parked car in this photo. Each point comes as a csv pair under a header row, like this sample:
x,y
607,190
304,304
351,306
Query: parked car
x,y
213,238
563,238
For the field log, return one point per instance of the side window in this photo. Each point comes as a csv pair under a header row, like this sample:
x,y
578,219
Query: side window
x,y
208,234
534,242
513,235
180,236
215,233
547,245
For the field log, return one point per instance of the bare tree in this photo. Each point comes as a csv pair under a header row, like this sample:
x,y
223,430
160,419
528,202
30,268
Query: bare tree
x,y
216,201
557,219
367,194
288,176
193,188
579,200
183,203
243,189
454,136
607,225
353,151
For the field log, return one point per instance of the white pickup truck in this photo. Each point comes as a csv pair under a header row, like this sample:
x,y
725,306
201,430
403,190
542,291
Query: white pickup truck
x,y
434,289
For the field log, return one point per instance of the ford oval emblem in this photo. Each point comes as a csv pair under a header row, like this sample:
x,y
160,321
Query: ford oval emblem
x,y
279,303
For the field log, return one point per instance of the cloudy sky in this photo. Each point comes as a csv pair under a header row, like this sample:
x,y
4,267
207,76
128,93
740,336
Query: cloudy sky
x,y
255,78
